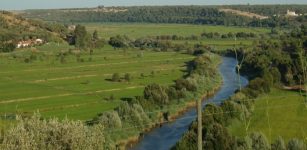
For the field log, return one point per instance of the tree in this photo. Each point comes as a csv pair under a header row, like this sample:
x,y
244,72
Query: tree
x,y
109,120
80,36
128,77
157,93
95,36
119,41
7,47
216,137
115,77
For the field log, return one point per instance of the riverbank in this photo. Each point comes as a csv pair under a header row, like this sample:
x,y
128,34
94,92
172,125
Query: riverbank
x,y
204,91
131,141
169,134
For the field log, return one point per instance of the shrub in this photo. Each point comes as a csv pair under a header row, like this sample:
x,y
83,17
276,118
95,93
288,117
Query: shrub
x,y
128,77
156,93
115,77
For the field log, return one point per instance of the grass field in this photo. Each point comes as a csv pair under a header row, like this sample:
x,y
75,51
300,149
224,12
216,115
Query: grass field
x,y
78,89
286,116
137,30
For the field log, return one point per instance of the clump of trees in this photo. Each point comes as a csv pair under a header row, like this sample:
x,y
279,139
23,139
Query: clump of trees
x,y
83,40
36,133
212,35
120,42
7,47
117,78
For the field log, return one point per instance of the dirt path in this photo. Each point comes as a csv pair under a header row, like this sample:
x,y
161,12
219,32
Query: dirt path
x,y
91,75
65,95
243,13
96,65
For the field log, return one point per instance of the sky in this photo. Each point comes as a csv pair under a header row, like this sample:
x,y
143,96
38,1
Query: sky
x,y
45,4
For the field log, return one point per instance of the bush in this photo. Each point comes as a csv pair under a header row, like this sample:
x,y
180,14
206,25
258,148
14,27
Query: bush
x,y
156,93
216,137
295,144
185,84
108,120
115,77
259,141
279,144
128,77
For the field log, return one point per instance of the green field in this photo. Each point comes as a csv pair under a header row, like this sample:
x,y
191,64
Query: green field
x,y
137,30
78,89
286,116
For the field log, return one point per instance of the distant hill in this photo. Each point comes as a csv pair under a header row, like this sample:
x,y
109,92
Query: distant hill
x,y
236,15
150,14
14,28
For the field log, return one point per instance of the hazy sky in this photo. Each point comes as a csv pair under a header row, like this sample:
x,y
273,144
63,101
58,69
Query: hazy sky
x,y
41,4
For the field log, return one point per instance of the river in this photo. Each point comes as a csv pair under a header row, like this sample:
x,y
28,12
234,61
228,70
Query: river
x,y
166,136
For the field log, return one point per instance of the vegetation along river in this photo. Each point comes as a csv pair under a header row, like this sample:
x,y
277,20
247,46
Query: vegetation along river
x,y
168,134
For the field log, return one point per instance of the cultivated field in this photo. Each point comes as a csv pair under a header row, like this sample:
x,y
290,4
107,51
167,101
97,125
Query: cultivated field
x,y
79,90
281,113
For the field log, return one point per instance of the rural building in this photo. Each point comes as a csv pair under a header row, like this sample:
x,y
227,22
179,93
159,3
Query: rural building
x,y
292,13
72,27
28,43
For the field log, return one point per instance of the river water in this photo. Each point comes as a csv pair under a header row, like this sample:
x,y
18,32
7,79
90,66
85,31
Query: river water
x,y
163,138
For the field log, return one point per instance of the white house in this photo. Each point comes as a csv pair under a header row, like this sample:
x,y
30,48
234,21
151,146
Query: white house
x,y
28,43
39,41
24,44
292,13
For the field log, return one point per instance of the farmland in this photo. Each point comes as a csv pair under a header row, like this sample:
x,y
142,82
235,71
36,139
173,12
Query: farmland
x,y
79,90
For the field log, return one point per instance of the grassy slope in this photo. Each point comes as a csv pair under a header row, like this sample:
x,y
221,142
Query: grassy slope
x,y
287,116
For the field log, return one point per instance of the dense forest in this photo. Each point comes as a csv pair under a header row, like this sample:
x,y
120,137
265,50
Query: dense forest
x,y
174,14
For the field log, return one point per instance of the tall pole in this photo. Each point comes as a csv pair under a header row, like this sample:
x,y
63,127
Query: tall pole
x,y
199,126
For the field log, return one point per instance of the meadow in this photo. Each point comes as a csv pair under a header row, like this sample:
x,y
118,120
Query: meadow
x,y
79,90
137,30
280,113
